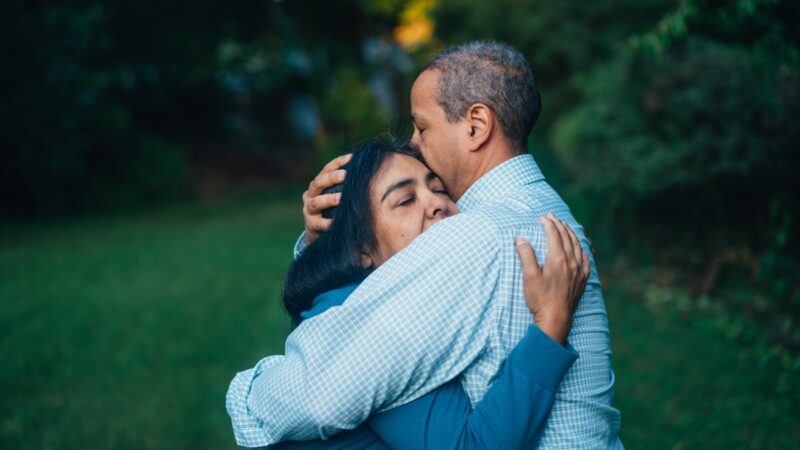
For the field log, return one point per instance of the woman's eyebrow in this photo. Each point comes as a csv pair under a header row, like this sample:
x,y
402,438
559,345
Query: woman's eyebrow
x,y
430,177
395,186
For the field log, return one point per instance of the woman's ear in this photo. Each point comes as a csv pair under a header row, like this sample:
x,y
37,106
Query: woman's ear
x,y
366,261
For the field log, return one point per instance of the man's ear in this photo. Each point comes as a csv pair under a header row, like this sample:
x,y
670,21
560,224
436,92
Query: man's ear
x,y
480,120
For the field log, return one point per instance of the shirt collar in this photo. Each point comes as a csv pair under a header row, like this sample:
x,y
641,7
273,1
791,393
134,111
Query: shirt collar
x,y
329,299
496,183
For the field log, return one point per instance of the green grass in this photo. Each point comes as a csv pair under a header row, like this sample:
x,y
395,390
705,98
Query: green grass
x,y
123,332
690,380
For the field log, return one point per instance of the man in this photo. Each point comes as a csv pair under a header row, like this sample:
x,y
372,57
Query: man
x,y
451,304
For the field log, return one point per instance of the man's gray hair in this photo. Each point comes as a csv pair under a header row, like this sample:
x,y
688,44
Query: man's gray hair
x,y
494,74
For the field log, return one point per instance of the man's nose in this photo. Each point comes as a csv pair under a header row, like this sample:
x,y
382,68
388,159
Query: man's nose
x,y
415,138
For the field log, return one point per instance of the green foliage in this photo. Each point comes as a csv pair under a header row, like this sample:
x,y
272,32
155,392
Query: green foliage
x,y
86,106
106,103
352,114
703,115
562,39
693,128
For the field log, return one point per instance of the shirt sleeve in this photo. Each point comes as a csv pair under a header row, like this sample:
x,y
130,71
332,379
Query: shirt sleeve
x,y
512,414
417,322
300,245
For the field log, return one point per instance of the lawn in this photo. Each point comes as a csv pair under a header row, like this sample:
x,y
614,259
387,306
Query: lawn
x,y
123,331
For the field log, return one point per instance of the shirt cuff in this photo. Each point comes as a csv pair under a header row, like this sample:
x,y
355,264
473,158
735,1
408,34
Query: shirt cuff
x,y
300,245
542,359
247,428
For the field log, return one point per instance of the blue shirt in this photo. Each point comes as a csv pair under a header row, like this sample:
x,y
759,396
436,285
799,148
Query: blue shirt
x,y
511,415
449,304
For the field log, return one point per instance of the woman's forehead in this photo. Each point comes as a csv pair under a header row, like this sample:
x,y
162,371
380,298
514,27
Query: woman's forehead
x,y
399,166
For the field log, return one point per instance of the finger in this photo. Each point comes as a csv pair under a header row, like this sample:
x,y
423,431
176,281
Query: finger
x,y
325,180
320,225
527,256
562,230
555,248
566,245
322,202
577,250
586,266
581,285
336,163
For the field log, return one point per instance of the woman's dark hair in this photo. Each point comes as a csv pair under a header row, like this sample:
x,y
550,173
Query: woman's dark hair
x,y
334,259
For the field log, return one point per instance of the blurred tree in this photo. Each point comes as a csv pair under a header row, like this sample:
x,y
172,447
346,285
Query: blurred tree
x,y
105,102
704,106
687,140
562,39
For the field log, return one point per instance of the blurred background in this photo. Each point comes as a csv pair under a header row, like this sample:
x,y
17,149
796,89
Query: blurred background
x,y
154,154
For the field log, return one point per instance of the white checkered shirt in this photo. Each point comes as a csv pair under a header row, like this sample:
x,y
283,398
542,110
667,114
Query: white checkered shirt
x,y
450,304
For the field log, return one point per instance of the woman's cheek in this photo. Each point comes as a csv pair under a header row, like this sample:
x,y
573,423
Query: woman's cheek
x,y
401,236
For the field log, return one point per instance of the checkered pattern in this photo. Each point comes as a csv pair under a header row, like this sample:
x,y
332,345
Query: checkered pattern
x,y
450,304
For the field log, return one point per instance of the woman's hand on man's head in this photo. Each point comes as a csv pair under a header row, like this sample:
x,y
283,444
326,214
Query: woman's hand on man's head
x,y
552,290
315,200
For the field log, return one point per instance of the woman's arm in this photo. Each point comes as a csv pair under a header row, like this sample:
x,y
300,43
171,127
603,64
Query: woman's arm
x,y
513,412
511,415
361,438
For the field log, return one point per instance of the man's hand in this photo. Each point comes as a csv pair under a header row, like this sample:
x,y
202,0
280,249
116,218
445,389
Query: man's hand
x,y
314,201
552,291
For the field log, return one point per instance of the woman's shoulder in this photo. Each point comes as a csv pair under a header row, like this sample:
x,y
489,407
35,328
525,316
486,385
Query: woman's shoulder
x,y
329,299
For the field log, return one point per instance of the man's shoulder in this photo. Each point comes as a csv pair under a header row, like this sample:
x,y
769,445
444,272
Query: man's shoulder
x,y
517,213
467,225
465,236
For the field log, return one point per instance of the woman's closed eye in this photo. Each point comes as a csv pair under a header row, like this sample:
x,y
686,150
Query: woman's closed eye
x,y
407,201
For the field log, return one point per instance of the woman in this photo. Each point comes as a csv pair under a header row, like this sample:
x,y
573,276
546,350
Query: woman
x,y
387,199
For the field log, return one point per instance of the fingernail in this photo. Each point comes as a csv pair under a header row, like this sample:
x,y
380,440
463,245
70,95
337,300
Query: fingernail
x,y
520,241
541,220
348,156
551,215
338,196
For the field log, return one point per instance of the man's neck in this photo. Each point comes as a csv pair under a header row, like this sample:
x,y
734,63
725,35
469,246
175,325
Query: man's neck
x,y
482,163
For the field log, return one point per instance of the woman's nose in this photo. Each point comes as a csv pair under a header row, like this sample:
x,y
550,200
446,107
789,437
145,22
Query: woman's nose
x,y
437,206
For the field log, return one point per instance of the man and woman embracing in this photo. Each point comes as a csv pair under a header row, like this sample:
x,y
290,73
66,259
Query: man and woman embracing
x,y
444,295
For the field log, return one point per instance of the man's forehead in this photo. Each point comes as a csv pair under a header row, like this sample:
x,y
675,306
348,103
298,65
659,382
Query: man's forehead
x,y
423,113
426,83
424,94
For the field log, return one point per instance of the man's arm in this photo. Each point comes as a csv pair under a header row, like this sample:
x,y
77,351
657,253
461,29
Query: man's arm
x,y
300,245
414,324
511,415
